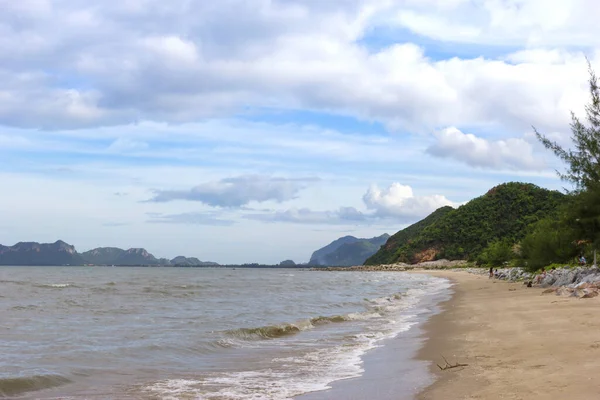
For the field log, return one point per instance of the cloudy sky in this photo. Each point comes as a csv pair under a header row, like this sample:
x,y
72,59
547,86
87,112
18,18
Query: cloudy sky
x,y
261,130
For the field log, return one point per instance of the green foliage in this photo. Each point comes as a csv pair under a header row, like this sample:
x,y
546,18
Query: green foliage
x,y
551,240
584,214
504,213
497,253
387,253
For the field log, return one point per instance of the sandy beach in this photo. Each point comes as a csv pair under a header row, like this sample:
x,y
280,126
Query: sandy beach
x,y
518,343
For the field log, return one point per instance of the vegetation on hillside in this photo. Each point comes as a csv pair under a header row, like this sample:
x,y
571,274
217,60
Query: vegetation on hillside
x,y
503,214
389,252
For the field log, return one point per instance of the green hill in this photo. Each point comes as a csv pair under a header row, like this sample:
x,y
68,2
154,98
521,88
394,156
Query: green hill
x,y
502,213
387,253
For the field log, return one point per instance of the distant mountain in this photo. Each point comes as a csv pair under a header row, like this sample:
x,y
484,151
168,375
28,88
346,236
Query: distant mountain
x,y
348,251
503,213
190,261
137,257
103,255
32,253
61,253
116,256
287,263
181,260
318,257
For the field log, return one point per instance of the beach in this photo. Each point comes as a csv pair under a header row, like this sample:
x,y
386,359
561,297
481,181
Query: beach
x,y
518,343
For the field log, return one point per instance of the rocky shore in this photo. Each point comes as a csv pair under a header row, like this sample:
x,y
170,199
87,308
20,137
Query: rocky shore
x,y
438,264
582,282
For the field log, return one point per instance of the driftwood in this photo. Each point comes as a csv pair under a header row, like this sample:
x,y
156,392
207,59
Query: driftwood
x,y
449,366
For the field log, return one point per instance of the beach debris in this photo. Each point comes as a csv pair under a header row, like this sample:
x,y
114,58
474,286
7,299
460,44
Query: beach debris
x,y
449,366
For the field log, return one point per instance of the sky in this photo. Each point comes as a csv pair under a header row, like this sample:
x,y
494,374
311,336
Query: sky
x,y
261,130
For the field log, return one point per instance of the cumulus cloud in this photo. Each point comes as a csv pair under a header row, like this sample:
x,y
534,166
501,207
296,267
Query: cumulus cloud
x,y
394,204
516,154
238,191
71,65
398,201
499,22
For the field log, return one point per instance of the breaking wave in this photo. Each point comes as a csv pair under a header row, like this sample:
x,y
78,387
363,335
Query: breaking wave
x,y
376,309
15,386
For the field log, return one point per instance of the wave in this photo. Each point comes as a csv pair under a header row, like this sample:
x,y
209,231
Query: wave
x,y
179,291
24,308
55,285
288,329
14,282
265,332
327,320
375,308
14,386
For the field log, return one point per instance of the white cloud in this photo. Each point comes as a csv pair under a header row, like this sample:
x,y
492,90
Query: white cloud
x,y
467,148
493,22
192,218
342,216
115,64
399,201
394,204
238,191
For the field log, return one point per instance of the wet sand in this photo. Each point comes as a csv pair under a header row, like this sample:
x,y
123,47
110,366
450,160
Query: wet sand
x,y
518,343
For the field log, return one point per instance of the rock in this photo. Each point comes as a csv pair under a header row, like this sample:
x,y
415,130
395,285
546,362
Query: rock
x,y
551,290
564,291
589,293
564,277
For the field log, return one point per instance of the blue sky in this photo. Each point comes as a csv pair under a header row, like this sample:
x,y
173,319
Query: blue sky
x,y
258,131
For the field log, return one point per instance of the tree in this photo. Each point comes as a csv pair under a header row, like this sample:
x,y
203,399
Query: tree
x,y
583,165
551,240
497,253
583,162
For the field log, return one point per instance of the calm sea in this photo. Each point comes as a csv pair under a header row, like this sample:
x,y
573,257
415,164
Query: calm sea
x,y
196,333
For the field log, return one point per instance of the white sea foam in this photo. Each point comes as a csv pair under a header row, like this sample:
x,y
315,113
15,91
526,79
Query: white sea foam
x,y
56,285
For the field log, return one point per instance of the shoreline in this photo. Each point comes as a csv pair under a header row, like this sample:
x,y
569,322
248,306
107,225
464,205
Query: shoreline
x,y
518,342
393,370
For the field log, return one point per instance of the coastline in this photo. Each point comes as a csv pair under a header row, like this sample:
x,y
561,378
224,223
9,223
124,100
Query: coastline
x,y
393,370
518,343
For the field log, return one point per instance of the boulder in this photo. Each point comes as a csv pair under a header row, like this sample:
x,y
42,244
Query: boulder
x,y
563,277
589,293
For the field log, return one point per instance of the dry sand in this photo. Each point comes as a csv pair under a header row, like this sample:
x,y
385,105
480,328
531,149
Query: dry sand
x,y
518,342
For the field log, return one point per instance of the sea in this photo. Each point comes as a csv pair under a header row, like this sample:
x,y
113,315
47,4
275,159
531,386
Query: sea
x,y
203,333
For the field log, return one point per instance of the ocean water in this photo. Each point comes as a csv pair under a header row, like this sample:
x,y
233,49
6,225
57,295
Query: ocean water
x,y
196,333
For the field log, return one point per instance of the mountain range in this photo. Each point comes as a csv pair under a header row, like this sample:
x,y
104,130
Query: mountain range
x,y
347,251
61,253
505,213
